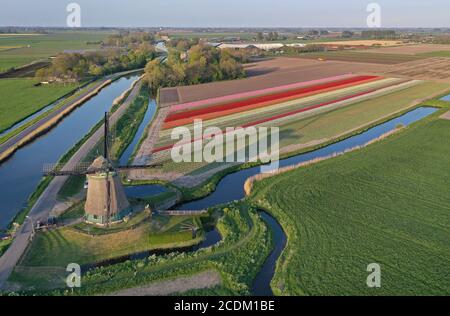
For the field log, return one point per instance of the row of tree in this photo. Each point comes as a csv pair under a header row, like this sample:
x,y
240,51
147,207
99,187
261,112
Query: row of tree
x,y
201,64
77,66
292,50
271,36
121,52
129,39
379,34
182,44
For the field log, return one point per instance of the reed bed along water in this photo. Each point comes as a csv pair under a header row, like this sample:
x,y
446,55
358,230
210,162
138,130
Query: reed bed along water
x,y
248,186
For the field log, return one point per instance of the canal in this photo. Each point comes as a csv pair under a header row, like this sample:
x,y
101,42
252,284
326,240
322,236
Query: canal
x,y
20,174
149,114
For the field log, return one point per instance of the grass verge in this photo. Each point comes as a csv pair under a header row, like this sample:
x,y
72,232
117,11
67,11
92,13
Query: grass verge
x,y
245,245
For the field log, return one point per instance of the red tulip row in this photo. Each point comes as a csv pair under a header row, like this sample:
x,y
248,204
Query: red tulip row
x,y
286,95
272,118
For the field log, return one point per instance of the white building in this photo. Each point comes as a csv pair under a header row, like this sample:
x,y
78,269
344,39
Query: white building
x,y
263,46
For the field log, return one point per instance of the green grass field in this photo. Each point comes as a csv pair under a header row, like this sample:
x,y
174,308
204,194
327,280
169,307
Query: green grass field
x,y
38,47
387,203
20,98
245,245
244,36
4,245
64,245
436,54
250,36
362,57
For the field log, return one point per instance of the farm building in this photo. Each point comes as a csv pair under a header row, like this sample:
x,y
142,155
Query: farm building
x,y
263,46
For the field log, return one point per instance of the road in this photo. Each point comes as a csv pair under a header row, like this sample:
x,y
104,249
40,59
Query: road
x,y
47,200
18,139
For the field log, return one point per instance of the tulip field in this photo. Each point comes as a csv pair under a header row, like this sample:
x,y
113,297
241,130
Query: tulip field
x,y
279,105
307,112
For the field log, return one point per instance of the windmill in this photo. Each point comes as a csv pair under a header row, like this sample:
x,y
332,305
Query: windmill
x,y
106,201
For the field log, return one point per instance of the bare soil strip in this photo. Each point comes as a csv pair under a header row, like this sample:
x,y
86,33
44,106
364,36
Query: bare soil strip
x,y
206,279
143,156
436,69
169,97
445,116
273,72
409,49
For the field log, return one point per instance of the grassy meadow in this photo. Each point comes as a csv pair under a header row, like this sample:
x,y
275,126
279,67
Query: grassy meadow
x,y
387,203
20,98
75,244
28,48
436,54
245,245
362,57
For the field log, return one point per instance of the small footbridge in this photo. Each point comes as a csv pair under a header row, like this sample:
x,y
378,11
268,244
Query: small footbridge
x,y
182,212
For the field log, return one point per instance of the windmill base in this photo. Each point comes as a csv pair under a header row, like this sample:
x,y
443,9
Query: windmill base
x,y
102,220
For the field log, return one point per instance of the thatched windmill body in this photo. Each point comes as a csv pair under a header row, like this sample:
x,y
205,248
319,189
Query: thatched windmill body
x,y
106,201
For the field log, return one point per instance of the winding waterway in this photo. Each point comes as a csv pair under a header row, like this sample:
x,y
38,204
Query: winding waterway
x,y
231,187
20,174
261,284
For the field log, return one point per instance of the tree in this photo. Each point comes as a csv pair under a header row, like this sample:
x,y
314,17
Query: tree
x,y
230,68
183,45
41,74
260,36
95,70
204,64
155,74
347,34
313,32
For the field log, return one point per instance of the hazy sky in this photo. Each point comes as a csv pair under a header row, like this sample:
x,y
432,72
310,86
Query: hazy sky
x,y
226,13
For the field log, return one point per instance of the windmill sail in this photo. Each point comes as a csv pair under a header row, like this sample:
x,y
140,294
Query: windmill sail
x,y
106,200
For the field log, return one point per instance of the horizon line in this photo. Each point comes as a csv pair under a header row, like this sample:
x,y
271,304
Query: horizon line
x,y
232,27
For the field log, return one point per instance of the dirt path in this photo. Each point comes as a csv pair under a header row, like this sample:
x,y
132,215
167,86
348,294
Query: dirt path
x,y
445,116
144,153
203,280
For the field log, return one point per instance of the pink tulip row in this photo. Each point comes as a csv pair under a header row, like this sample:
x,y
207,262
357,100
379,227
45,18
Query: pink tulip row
x,y
184,106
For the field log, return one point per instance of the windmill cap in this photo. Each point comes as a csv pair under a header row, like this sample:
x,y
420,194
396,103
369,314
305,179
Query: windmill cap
x,y
99,163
